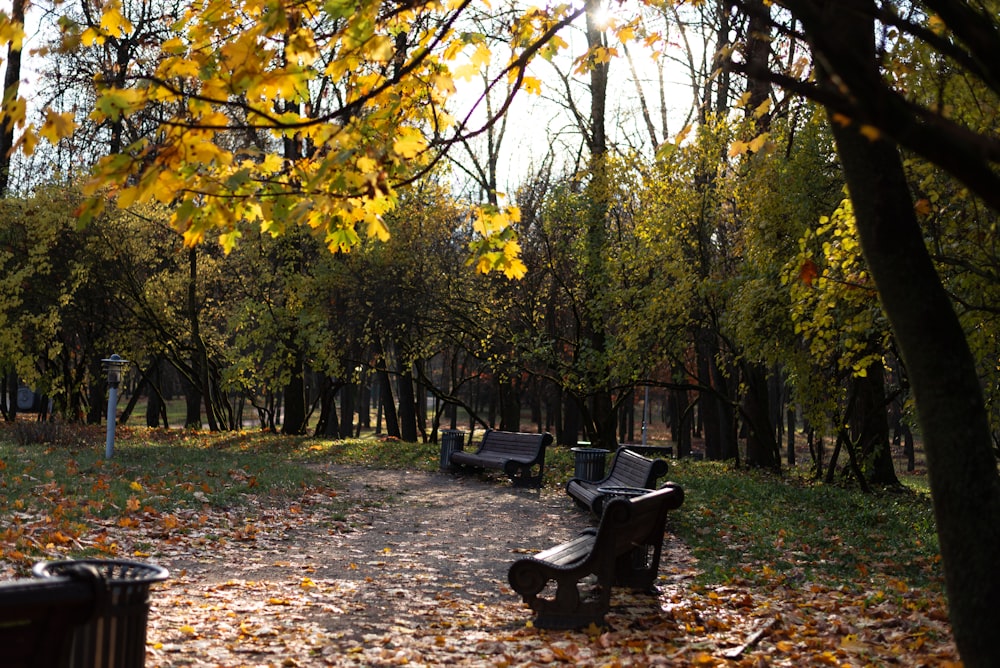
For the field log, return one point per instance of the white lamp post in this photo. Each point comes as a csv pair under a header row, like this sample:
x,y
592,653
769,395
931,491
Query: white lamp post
x,y
115,366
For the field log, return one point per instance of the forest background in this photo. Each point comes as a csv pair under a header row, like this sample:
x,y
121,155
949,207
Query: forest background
x,y
720,262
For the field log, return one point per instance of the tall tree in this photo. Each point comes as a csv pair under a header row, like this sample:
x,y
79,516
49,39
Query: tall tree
x,y
870,117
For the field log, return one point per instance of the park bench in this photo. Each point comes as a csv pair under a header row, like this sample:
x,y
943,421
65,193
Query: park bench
x,y
629,470
514,453
624,550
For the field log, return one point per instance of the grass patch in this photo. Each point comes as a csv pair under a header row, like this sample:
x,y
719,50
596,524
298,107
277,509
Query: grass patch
x,y
754,526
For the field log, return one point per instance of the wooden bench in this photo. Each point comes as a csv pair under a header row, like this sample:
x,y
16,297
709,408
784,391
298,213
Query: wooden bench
x,y
624,550
514,453
38,619
629,469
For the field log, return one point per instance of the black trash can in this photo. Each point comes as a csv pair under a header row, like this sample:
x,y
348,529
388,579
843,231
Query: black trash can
x,y
116,636
589,463
451,440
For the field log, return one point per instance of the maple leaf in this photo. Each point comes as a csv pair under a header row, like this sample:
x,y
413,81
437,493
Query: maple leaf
x,y
808,272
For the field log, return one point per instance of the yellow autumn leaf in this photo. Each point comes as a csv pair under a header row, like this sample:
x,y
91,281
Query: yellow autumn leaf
x,y
871,132
685,131
514,269
409,145
15,112
531,85
380,48
91,37
937,25
114,23
758,142
135,486
174,45
377,228
737,148
841,119
12,33
762,108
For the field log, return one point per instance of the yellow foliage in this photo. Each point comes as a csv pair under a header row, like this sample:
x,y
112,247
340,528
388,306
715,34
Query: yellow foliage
x,y
531,85
114,23
12,34
57,126
409,144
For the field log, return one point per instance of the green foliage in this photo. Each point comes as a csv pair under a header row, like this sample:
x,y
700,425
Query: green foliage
x,y
836,308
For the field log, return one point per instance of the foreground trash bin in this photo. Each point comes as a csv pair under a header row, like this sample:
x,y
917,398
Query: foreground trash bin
x,y
589,463
451,440
115,637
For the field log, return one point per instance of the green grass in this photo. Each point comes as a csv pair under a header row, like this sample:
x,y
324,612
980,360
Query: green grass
x,y
740,525
753,526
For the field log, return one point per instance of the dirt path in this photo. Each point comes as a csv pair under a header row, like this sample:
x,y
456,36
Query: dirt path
x,y
415,573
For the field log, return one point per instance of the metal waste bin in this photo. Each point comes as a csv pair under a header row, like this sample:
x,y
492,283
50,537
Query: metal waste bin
x,y
589,463
451,440
115,637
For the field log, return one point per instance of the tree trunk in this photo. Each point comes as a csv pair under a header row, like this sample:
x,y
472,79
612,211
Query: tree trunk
x,y
11,84
155,406
872,427
570,433
790,435
962,467
293,421
347,394
407,403
387,402
762,448
510,405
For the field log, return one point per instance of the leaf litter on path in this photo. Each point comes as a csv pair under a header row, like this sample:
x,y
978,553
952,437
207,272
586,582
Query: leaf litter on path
x,y
414,573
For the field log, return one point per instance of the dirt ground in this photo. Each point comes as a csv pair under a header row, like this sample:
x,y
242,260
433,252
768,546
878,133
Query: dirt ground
x,y
415,573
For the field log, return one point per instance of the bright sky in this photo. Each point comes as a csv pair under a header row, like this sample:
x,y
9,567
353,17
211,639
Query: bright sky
x,y
535,122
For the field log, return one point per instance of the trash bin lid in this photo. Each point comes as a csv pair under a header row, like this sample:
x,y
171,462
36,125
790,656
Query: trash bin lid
x,y
113,570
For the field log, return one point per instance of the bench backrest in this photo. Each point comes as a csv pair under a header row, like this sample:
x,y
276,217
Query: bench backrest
x,y
627,523
633,470
515,444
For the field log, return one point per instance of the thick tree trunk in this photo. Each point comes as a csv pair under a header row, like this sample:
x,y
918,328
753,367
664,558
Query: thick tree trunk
x,y
510,406
962,467
407,404
387,402
872,429
96,390
762,447
347,394
293,421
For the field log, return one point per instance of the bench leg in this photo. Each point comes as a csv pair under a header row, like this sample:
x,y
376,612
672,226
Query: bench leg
x,y
520,475
568,607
